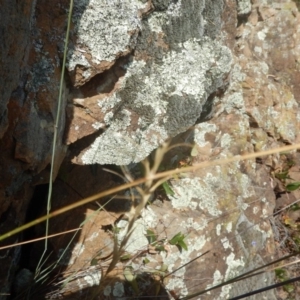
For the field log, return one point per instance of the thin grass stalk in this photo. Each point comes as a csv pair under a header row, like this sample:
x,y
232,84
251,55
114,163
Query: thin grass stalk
x,y
56,125
243,276
267,288
145,194
38,239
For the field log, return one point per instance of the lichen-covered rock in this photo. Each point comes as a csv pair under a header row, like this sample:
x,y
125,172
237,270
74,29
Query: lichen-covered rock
x,y
105,30
243,7
140,72
224,209
155,102
177,63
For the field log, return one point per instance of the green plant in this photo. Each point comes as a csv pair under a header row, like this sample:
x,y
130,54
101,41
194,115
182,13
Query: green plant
x,y
284,176
282,276
178,240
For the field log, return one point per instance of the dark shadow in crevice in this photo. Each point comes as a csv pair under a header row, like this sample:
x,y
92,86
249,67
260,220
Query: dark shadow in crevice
x,y
31,252
242,19
207,109
77,147
35,208
106,81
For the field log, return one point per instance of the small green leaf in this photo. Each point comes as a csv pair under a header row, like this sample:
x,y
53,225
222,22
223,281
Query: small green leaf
x,y
291,163
288,288
151,236
295,207
125,257
292,186
178,240
157,288
146,261
163,268
282,175
94,262
160,248
280,273
177,237
130,276
168,189
183,245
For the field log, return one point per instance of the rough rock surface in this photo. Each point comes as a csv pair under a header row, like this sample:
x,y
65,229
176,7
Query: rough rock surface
x,y
177,63
31,32
138,73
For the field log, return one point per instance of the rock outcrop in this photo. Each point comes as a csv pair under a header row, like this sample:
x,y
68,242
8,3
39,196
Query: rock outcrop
x,y
138,73
174,62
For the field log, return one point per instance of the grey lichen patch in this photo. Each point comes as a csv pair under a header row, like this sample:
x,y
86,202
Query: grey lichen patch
x,y
138,240
177,22
225,140
243,7
77,58
235,102
93,278
247,189
201,130
191,223
173,258
167,97
191,189
107,290
104,29
235,266
108,104
176,65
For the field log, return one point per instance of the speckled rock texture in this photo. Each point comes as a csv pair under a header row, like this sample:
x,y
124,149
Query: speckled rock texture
x,y
139,72
176,64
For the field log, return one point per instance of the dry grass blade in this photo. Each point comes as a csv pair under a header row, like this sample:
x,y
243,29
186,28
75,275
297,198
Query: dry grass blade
x,y
273,286
160,175
55,135
38,239
145,194
240,277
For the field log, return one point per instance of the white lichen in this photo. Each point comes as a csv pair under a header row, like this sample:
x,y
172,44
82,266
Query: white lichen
x,y
168,92
93,278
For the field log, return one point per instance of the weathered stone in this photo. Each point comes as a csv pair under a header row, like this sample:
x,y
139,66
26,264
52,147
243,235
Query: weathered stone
x,y
243,7
176,65
139,73
104,31
14,50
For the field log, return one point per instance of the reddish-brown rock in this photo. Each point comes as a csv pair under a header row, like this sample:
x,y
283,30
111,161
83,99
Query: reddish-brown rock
x,y
139,72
